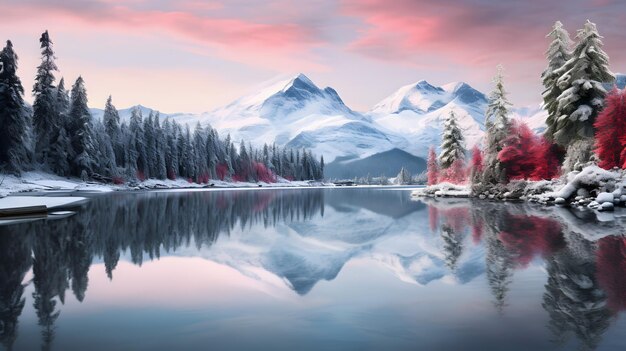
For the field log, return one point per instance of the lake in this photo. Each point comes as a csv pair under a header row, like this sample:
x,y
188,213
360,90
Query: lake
x,y
312,269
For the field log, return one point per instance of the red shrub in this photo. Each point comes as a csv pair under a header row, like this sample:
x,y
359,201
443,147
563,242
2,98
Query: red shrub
x,y
221,170
476,166
528,156
118,180
263,174
610,128
141,176
455,174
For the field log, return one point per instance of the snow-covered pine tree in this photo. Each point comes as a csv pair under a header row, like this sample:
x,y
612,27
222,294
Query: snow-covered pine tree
x,y
212,146
201,170
581,79
111,121
452,142
136,147
45,117
403,177
104,154
14,117
558,54
148,131
160,146
498,124
61,151
81,130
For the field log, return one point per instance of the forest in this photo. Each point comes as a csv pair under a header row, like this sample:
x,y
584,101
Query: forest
x,y
58,134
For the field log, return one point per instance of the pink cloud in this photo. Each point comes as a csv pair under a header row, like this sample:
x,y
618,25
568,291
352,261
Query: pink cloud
x,y
272,44
465,33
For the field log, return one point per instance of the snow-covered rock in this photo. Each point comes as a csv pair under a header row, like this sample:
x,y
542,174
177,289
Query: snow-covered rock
x,y
444,190
604,197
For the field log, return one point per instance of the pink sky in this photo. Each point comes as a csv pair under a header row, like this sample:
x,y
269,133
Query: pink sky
x,y
193,55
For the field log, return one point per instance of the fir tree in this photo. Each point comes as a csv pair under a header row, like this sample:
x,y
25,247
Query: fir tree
x,y
81,130
403,177
498,124
581,79
45,117
557,54
14,117
452,144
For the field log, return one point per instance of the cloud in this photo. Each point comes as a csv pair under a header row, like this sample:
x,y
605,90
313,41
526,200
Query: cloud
x,y
270,45
473,32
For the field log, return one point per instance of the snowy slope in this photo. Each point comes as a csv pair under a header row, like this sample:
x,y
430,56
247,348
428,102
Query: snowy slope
x,y
297,113
417,111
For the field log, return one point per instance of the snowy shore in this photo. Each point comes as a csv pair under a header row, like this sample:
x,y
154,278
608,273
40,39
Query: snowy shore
x,y
592,187
31,182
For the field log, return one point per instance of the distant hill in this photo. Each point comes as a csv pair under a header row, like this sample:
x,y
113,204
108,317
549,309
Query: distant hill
x,y
386,163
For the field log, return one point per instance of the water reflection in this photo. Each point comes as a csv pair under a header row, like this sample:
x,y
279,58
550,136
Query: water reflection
x,y
586,283
306,236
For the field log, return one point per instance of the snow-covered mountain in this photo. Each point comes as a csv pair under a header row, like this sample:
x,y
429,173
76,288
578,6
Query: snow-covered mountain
x,y
297,113
417,111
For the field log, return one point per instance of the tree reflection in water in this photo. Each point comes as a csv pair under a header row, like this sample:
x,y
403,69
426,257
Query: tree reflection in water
x,y
586,280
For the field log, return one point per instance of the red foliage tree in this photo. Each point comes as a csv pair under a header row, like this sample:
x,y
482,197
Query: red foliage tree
x,y
517,155
610,128
547,160
455,174
432,167
221,170
528,156
263,174
476,165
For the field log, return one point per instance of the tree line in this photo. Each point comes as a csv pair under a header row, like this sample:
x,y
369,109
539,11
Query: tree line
x,y
59,135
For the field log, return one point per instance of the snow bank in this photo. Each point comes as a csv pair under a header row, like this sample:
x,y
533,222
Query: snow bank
x,y
41,181
443,189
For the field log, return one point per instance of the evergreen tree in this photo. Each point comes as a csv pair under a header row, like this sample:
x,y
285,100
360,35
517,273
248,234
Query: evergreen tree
x,y
14,117
452,144
558,54
111,120
61,152
403,177
150,149
45,117
498,124
581,79
160,148
81,130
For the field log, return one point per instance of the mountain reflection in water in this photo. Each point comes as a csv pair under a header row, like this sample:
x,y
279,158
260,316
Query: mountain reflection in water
x,y
304,236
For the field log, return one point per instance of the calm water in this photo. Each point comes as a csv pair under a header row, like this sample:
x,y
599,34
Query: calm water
x,y
310,269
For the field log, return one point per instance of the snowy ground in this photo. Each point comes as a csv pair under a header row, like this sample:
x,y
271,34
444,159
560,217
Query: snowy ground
x,y
599,195
43,182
